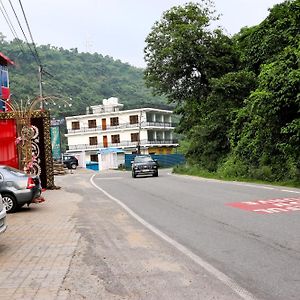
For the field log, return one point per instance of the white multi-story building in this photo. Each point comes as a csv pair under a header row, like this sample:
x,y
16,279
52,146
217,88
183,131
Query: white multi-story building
x,y
147,129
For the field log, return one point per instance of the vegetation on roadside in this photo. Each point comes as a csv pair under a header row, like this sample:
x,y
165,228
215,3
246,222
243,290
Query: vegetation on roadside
x,y
238,97
195,170
86,78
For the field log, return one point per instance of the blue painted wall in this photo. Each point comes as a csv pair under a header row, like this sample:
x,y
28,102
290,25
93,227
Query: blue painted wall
x,y
92,166
164,160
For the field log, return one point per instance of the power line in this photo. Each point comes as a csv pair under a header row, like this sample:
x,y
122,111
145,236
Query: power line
x,y
11,27
34,46
28,44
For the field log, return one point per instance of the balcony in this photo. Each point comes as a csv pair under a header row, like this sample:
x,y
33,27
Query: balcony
x,y
124,144
143,125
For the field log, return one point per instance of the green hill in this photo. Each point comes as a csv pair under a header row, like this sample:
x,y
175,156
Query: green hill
x,y
84,77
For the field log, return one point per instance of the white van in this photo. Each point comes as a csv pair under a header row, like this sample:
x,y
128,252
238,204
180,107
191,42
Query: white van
x,y
2,216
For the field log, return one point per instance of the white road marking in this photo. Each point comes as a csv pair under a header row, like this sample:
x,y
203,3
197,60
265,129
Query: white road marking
x,y
243,293
290,191
109,178
237,183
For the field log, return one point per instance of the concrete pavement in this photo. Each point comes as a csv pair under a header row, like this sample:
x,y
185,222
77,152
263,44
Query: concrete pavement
x,y
81,245
37,248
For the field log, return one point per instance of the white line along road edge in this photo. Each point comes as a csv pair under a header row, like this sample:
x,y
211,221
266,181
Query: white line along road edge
x,y
244,294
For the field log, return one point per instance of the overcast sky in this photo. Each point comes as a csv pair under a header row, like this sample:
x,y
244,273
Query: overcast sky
x,y
117,28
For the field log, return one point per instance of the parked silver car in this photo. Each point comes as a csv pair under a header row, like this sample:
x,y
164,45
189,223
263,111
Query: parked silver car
x,y
2,216
18,188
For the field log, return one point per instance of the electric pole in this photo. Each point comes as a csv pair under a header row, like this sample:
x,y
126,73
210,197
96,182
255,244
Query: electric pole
x,y
139,134
41,86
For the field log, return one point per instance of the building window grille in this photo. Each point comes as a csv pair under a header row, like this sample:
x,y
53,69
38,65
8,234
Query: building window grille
x,y
94,157
93,140
92,123
134,119
75,125
135,137
114,121
115,139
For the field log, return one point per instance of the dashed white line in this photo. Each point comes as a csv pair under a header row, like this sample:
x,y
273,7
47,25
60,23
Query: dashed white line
x,y
243,293
290,191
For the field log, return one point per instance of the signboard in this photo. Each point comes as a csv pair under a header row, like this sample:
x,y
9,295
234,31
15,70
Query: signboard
x,y
55,142
273,206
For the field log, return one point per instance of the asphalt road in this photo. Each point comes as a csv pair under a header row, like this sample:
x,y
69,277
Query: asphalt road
x,y
258,252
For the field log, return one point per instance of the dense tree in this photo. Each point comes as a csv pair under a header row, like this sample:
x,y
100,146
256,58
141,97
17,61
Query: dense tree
x,y
183,57
86,78
210,138
270,134
262,43
183,54
238,97
266,132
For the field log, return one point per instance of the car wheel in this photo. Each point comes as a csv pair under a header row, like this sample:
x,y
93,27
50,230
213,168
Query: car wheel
x,y
73,166
155,174
10,203
133,174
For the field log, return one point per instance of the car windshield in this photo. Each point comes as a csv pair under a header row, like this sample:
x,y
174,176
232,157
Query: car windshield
x,y
140,159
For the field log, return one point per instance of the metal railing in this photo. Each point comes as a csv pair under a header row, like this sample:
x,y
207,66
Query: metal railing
x,y
124,126
123,144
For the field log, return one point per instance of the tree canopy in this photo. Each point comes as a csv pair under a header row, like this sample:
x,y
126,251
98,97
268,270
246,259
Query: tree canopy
x,y
238,96
84,77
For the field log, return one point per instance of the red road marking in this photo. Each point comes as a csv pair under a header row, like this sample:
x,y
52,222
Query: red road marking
x,y
278,205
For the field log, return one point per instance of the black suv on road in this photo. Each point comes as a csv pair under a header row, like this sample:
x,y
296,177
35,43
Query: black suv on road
x,y
144,165
70,161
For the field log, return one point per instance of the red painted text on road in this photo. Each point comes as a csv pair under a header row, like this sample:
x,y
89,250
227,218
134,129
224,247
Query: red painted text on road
x,y
278,205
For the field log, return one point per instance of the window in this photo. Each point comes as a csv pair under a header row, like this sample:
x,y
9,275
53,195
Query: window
x,y
4,78
75,125
135,137
114,121
94,157
134,119
92,123
93,140
115,139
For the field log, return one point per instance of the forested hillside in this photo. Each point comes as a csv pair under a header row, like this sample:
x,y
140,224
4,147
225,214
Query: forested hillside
x,y
239,97
84,77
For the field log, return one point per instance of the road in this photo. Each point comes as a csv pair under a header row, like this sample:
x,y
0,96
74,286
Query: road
x,y
245,250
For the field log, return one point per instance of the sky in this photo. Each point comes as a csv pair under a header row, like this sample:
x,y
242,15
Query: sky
x,y
117,28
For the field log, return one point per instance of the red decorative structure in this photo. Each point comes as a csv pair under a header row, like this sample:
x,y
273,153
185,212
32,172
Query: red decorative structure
x,y
25,141
8,149
4,81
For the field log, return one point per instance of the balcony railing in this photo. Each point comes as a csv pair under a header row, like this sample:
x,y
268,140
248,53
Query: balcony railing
x,y
124,126
123,144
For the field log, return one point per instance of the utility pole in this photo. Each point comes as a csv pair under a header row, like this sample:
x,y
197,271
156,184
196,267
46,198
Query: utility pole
x,y
41,86
139,137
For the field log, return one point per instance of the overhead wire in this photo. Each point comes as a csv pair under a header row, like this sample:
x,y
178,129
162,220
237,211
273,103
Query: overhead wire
x,y
37,59
11,26
34,45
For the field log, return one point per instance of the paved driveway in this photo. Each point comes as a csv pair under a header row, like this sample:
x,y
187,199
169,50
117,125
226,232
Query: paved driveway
x,y
36,250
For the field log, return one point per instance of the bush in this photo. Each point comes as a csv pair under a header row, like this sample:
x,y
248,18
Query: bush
x,y
233,168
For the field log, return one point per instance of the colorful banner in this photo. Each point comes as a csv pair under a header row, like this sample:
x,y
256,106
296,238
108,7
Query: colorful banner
x,y
55,142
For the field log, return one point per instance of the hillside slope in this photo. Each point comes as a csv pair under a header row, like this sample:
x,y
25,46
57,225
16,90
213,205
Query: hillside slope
x,y
84,77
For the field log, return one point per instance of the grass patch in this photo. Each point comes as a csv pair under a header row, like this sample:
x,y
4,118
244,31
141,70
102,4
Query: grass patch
x,y
200,172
